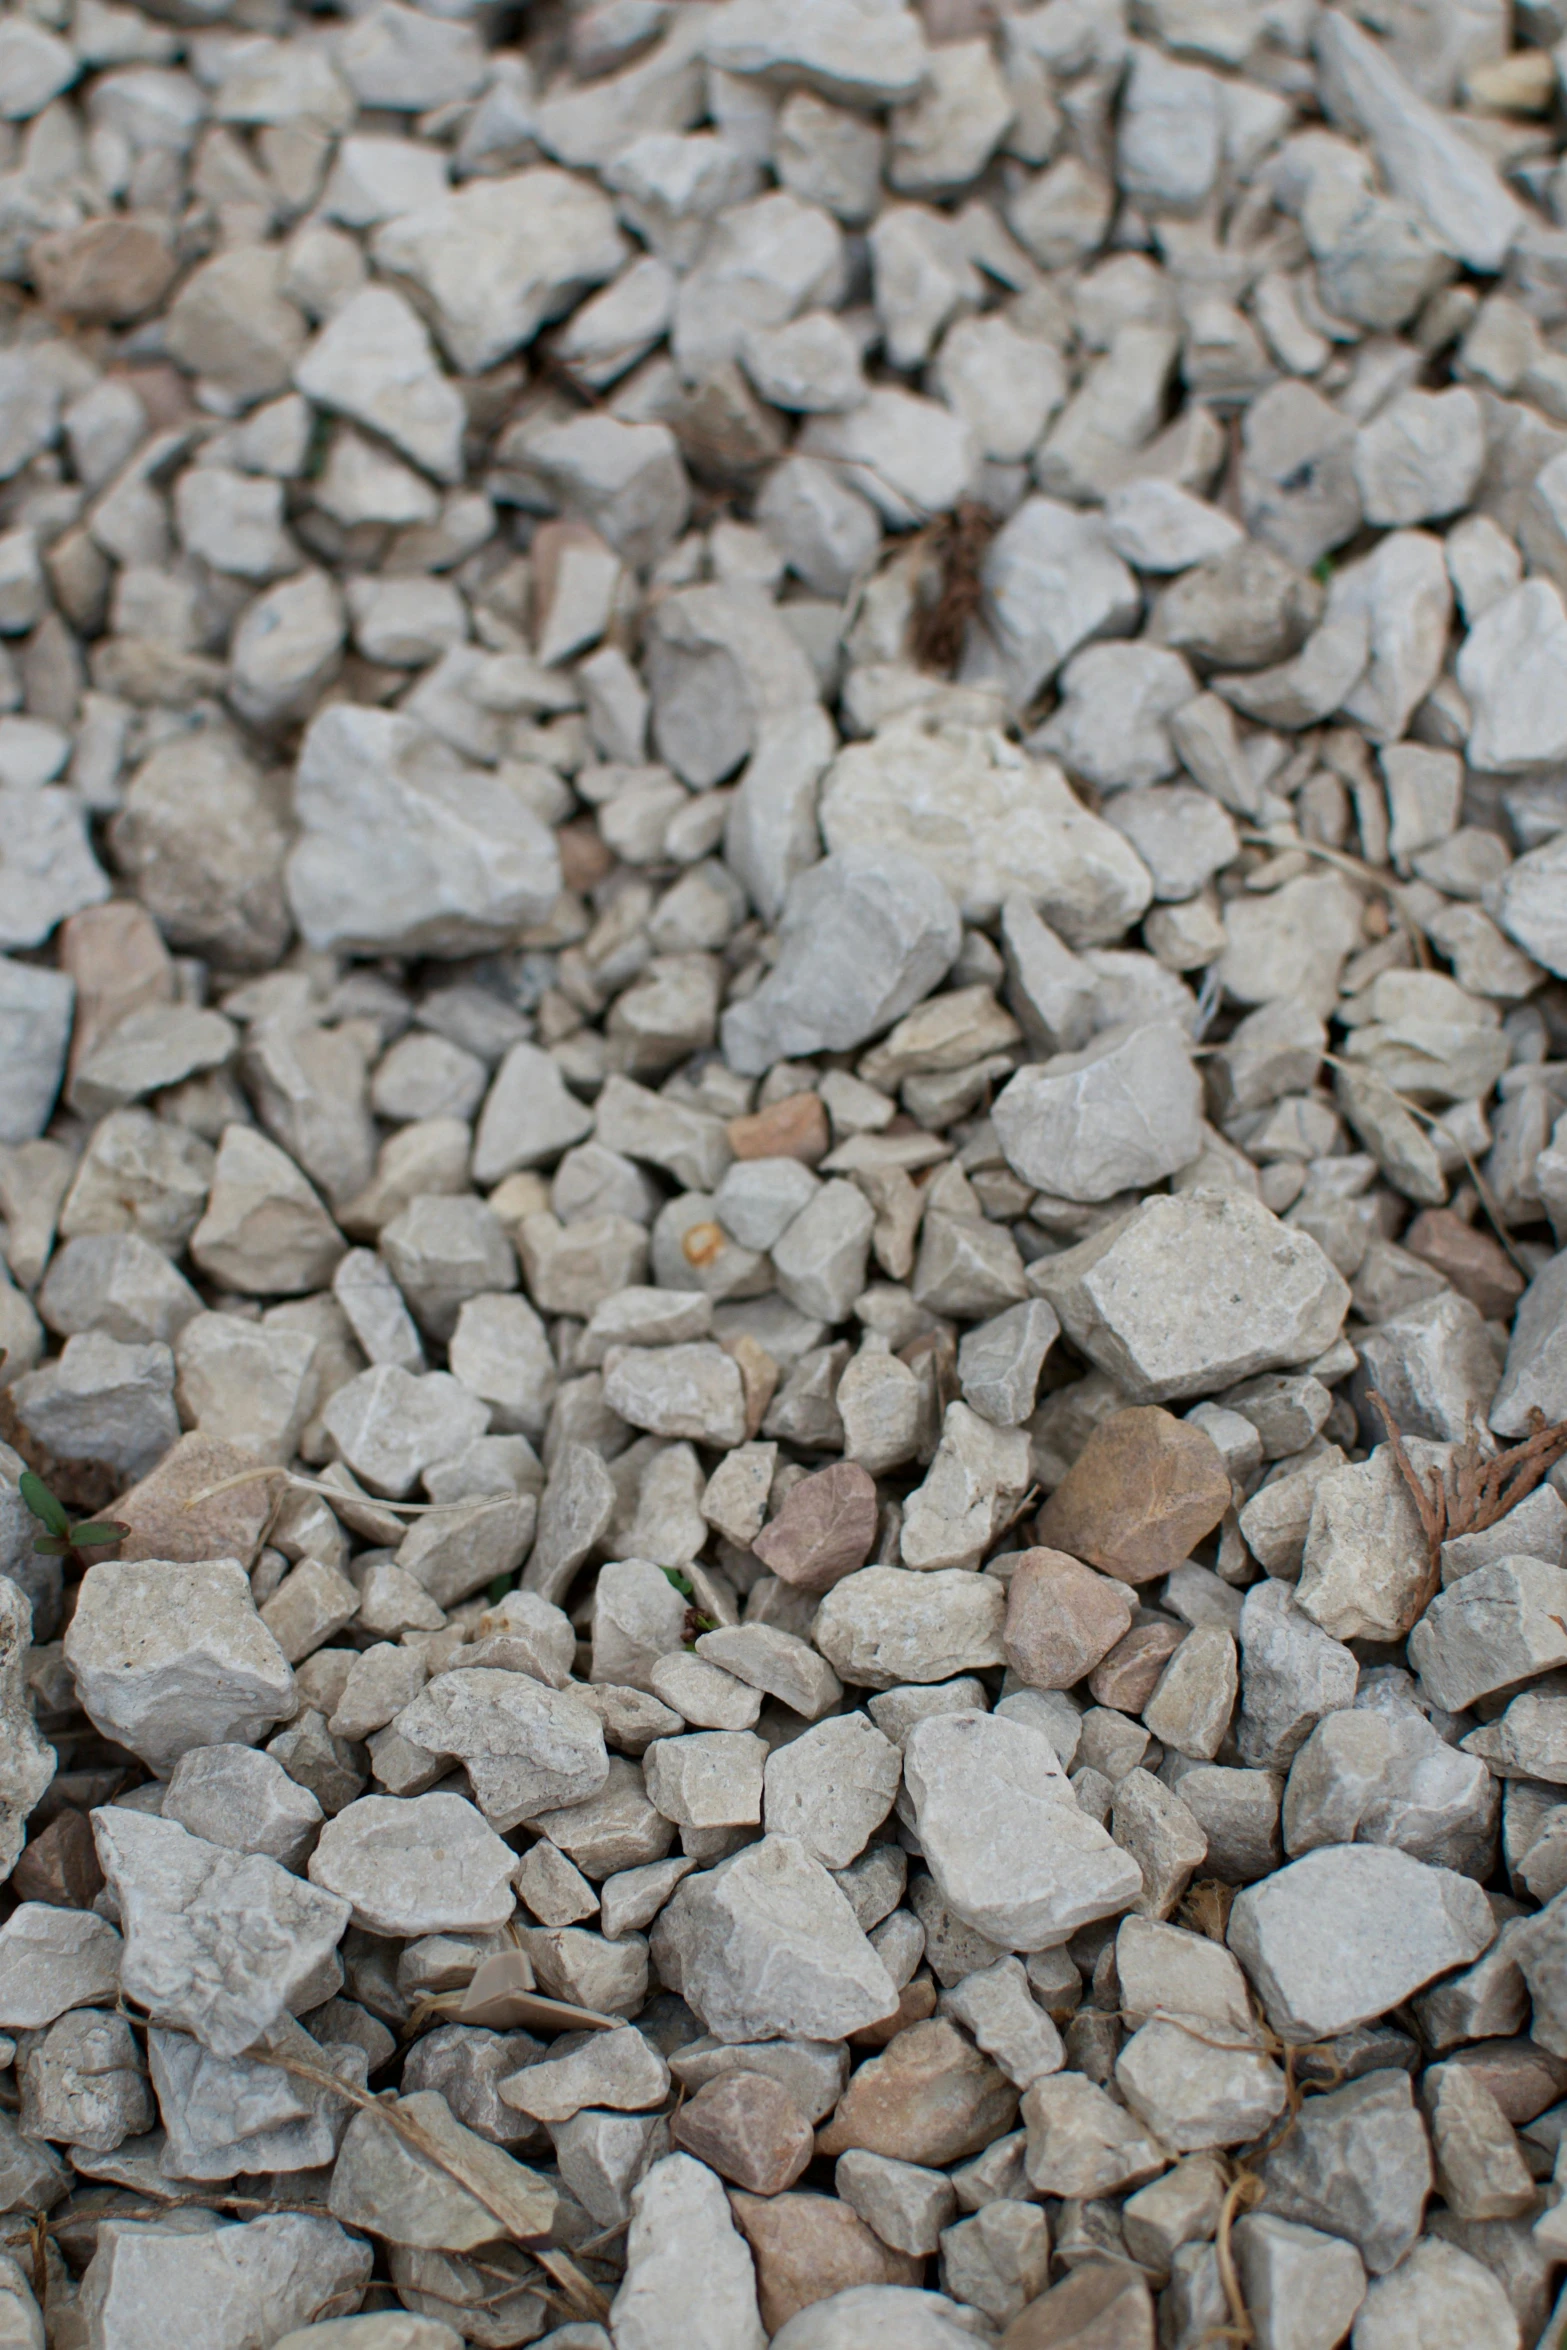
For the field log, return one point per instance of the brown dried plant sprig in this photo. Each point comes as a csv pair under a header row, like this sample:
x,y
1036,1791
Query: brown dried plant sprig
x,y
1481,1488
959,543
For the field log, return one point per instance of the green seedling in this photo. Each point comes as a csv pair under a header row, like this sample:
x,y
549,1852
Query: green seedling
x,y
696,1623
63,1537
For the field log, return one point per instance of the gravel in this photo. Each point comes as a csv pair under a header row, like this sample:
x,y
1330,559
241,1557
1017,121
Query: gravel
x,y
783,1063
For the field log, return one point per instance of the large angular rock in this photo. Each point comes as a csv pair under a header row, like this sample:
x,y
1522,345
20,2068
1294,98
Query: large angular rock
x,y
501,256
422,1865
1118,1116
167,1657
864,935
985,819
1003,1835
221,1944
1188,1295
233,2286
888,1625
766,1947
681,2228
1349,1932
526,1748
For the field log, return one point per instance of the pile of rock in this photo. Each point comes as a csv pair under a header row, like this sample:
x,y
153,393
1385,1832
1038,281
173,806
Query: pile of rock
x,y
783,905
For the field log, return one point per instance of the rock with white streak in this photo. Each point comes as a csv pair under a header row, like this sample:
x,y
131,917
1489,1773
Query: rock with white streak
x,y
1115,1117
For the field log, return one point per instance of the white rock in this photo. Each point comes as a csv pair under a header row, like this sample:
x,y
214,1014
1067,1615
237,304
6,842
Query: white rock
x,y
1349,1932
423,1865
168,1656
986,820
501,256
1008,1846
680,2228
373,362
1052,582
220,1943
462,860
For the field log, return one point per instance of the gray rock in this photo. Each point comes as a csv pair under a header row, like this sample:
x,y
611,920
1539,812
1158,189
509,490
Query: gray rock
x,y
445,860
168,1656
1187,1295
890,932
1348,1932
1358,2165
1006,1843
35,1025
238,2284
681,2225
764,1946
217,1943
1115,1117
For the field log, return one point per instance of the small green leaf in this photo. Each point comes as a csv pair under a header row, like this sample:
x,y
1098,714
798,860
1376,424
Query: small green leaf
x,y
52,1546
99,1535
498,1589
42,1503
682,1583
1322,570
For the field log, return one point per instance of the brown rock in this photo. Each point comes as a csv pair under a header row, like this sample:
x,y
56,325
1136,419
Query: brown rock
x,y
105,272
164,1526
747,2128
1062,1619
1478,1267
932,2098
1130,1674
916,2001
1145,1489
1100,2306
825,1530
60,1865
808,2246
116,955
795,1128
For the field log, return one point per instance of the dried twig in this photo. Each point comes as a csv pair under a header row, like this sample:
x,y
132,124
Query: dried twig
x,y
1483,1489
959,542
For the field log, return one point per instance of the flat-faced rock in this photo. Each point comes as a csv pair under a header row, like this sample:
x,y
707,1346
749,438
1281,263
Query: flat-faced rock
x,y
930,2099
681,2228
808,2248
1141,1495
218,1942
415,1866
824,1531
1006,1842
1189,1294
1062,1618
526,1748
747,2128
167,1656
764,1946
1348,1932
